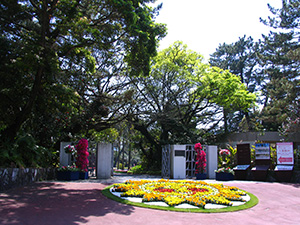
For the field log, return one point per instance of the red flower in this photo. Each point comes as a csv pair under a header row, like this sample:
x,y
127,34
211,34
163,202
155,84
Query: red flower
x,y
201,158
82,154
198,146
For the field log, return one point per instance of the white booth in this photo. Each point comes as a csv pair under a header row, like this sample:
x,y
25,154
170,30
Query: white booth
x,y
183,161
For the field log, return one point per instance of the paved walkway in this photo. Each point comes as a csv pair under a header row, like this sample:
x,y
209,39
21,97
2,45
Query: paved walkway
x,y
67,203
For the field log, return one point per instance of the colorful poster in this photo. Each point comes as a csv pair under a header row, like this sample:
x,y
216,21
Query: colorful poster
x,y
285,153
262,151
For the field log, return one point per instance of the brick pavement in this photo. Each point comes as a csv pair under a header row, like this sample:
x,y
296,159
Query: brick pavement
x,y
66,203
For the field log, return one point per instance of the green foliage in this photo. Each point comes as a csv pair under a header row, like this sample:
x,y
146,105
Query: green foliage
x,y
108,135
25,153
136,169
139,169
223,88
121,166
181,94
278,57
240,59
273,155
73,168
58,62
231,160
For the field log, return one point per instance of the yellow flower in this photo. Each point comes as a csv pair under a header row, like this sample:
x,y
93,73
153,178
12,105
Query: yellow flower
x,y
197,193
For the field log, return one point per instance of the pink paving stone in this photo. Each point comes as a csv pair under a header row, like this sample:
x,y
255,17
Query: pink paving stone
x,y
83,203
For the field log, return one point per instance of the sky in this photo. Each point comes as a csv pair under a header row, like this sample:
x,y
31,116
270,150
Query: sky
x,y
205,24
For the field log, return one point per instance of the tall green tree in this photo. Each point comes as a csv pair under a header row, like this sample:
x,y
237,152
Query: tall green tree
x,y
240,59
53,54
280,59
180,95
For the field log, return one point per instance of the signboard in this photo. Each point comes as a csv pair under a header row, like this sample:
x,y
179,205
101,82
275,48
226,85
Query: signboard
x,y
262,151
243,154
285,153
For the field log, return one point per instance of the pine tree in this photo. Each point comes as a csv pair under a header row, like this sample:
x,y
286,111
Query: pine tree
x,y
280,59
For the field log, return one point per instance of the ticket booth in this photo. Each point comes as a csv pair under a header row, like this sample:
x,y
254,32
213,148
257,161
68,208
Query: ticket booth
x,y
262,161
285,161
243,162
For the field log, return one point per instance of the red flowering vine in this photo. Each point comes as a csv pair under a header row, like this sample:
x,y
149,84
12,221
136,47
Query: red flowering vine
x,y
82,154
200,159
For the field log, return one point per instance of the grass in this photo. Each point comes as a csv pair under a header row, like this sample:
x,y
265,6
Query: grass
x,y
253,201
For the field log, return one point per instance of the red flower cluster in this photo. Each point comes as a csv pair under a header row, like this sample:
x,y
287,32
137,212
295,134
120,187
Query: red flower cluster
x,y
82,155
201,158
195,190
161,189
198,147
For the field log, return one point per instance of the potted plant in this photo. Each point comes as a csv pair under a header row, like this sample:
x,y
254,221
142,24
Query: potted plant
x,y
70,149
200,162
225,172
82,158
70,172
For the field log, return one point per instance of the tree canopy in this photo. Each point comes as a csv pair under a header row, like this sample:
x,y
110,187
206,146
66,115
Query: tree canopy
x,y
239,58
58,59
79,68
181,95
279,56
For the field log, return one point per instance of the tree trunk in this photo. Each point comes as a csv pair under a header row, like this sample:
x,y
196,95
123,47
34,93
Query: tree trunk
x,y
123,156
118,157
129,157
225,120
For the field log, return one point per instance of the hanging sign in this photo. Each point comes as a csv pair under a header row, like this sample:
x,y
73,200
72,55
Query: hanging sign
x,y
262,151
285,153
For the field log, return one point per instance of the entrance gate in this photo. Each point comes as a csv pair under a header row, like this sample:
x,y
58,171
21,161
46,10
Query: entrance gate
x,y
190,156
190,160
100,159
166,161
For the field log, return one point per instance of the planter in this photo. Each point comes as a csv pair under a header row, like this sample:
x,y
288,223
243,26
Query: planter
x,y
67,175
200,176
83,175
224,176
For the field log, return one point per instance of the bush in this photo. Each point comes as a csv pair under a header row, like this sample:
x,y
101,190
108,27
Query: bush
x,y
120,166
140,170
24,152
136,169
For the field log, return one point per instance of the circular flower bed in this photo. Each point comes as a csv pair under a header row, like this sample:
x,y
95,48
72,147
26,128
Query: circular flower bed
x,y
172,194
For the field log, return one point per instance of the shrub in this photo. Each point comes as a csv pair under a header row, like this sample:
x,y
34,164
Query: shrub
x,y
138,169
24,152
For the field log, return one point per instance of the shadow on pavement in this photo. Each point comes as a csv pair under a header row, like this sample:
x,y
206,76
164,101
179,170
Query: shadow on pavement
x,y
57,203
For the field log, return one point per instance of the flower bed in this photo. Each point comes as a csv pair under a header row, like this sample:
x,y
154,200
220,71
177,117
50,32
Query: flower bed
x,y
176,193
